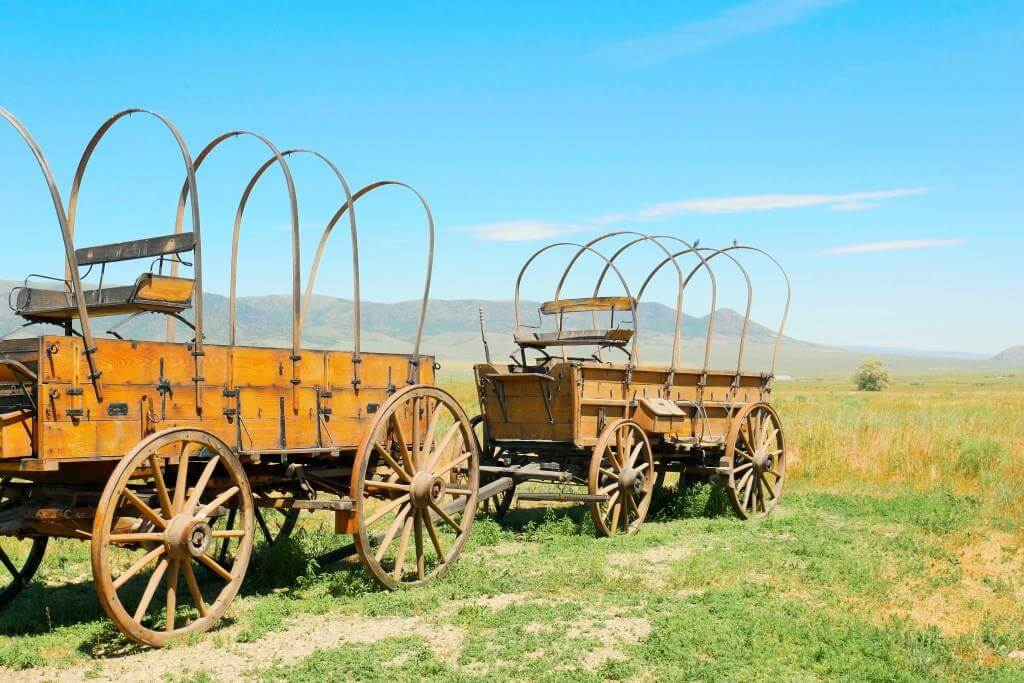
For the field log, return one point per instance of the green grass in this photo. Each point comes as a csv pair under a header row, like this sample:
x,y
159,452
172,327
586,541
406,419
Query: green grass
x,y
894,556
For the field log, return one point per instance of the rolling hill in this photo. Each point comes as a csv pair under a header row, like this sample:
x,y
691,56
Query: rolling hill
x,y
452,333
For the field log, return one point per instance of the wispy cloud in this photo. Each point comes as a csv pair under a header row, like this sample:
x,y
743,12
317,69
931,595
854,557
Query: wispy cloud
x,y
854,201
729,24
891,246
527,230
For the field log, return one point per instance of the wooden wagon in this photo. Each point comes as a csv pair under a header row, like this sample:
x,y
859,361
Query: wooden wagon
x,y
176,460
614,426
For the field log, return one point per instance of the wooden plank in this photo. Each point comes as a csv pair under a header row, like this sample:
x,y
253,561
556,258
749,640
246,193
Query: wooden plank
x,y
136,249
587,304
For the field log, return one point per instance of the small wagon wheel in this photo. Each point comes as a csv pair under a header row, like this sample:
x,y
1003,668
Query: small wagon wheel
x,y
621,468
419,442
756,457
164,508
499,505
18,564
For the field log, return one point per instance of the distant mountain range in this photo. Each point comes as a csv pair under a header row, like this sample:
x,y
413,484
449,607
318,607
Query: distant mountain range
x,y
452,333
1012,355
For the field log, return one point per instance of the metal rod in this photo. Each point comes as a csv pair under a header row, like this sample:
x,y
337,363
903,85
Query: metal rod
x,y
67,237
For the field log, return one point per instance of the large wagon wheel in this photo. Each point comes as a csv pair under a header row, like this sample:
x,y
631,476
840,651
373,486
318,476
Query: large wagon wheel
x,y
20,559
756,457
163,508
499,505
621,468
420,442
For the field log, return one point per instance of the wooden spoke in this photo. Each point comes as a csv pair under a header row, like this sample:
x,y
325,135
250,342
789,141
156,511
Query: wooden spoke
x,y
227,533
747,491
224,497
608,489
129,573
616,512
416,433
435,539
428,439
392,463
386,508
172,593
443,445
20,576
387,485
632,503
147,511
193,588
446,517
403,445
458,492
147,595
418,536
161,486
181,483
613,475
215,567
464,458
403,548
765,484
611,503
137,538
392,531
200,487
742,468
634,453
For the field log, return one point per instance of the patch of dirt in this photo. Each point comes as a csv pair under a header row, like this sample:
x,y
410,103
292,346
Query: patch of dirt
x,y
989,587
651,568
226,660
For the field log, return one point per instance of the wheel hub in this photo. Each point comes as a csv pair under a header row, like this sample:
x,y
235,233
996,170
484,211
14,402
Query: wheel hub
x,y
187,537
632,480
426,489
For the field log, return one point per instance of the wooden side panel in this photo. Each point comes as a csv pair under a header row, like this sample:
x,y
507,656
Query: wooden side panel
x,y
517,410
324,408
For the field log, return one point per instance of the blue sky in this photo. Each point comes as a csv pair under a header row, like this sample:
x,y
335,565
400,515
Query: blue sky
x,y
874,147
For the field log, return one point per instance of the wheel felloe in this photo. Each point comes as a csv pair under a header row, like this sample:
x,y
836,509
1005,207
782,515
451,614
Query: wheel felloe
x,y
621,468
415,481
756,460
173,536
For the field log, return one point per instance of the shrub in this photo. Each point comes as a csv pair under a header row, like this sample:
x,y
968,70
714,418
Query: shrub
x,y
872,376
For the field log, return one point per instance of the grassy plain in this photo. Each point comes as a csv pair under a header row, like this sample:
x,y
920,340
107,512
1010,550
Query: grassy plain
x,y
896,555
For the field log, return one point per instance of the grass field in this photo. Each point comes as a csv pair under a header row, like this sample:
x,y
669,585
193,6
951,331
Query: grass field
x,y
896,554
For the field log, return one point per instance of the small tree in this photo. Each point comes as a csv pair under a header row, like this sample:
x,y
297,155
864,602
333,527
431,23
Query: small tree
x,y
872,376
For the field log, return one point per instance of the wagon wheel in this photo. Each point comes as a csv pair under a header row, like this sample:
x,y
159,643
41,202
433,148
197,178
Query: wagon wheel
x,y
499,505
19,558
164,508
420,442
621,468
756,457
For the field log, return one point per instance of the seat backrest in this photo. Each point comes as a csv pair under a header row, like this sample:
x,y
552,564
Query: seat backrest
x,y
595,303
136,249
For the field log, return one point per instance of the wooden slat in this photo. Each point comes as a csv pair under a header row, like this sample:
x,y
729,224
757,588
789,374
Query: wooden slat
x,y
136,249
587,304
